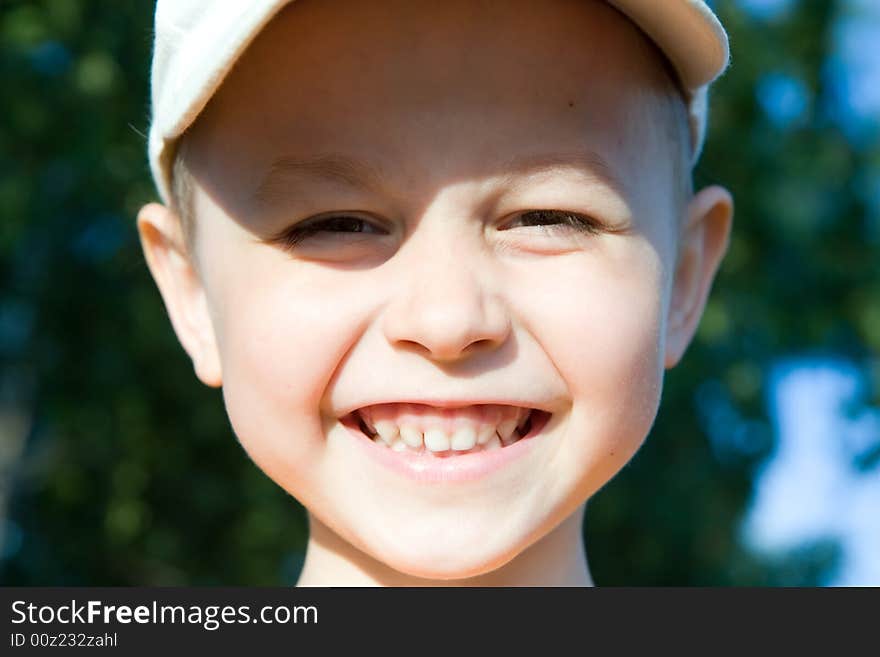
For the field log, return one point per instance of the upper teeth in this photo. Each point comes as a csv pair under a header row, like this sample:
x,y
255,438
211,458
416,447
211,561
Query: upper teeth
x,y
409,426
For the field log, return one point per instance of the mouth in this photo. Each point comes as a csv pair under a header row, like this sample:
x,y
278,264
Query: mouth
x,y
422,429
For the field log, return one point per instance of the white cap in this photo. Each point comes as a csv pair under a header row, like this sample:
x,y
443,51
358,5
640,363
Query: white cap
x,y
198,41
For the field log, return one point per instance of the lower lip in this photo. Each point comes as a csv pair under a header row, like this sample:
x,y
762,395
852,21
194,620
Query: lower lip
x,y
426,467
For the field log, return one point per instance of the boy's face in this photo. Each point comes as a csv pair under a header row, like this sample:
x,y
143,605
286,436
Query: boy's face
x,y
461,117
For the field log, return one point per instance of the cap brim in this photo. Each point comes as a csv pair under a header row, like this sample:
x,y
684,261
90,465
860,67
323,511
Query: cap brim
x,y
210,49
688,33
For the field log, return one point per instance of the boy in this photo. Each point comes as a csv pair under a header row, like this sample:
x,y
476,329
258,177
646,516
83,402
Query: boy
x,y
438,256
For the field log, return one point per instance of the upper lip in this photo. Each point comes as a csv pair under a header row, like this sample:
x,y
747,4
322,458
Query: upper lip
x,y
456,403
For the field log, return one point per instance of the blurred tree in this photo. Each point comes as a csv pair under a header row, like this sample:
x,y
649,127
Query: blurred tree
x,y
131,473
120,468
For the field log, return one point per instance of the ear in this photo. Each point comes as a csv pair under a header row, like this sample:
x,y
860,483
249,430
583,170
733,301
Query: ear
x,y
704,242
181,289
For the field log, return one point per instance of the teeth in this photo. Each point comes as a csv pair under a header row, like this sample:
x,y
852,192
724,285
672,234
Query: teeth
x,y
436,440
388,431
489,434
411,436
507,431
486,434
493,443
464,439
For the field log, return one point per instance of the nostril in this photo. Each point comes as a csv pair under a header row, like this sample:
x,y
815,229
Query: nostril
x,y
448,352
480,345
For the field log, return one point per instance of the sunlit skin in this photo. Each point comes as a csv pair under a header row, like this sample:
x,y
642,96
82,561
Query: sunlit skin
x,y
468,115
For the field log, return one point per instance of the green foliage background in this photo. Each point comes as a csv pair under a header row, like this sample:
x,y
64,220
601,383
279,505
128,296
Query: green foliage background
x,y
120,468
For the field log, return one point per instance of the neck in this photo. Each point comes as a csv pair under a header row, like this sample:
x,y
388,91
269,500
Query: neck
x,y
557,559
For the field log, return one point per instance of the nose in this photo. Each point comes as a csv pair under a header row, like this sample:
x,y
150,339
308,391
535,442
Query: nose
x,y
446,307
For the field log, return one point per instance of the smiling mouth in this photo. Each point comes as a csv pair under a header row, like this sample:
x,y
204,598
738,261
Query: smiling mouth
x,y
445,432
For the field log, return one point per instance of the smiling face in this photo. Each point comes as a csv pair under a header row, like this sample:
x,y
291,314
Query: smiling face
x,y
466,206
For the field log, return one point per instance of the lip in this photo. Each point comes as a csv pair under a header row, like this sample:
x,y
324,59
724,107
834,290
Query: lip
x,y
428,468
547,407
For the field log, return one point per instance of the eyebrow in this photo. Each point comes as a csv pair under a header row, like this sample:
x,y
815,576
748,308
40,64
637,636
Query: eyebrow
x,y
333,167
593,164
339,168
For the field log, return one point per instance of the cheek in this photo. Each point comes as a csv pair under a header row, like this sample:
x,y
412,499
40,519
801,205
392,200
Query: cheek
x,y
613,348
604,334
279,345
620,381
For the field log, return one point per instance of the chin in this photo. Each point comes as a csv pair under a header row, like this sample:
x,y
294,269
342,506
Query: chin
x,y
447,565
441,551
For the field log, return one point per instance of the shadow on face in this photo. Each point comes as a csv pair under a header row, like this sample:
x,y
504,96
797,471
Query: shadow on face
x,y
388,106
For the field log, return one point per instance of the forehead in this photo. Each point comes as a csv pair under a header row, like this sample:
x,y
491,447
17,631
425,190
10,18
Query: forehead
x,y
424,94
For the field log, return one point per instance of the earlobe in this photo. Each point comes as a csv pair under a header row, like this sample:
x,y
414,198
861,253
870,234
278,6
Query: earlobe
x,y
704,242
181,288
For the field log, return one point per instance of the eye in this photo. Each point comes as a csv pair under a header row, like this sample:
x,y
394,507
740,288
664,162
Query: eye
x,y
559,221
339,226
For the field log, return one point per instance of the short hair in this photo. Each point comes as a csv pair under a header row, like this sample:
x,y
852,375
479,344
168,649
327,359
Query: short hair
x,y
182,192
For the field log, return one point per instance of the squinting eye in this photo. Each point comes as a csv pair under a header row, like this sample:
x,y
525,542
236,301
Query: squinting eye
x,y
553,221
341,224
